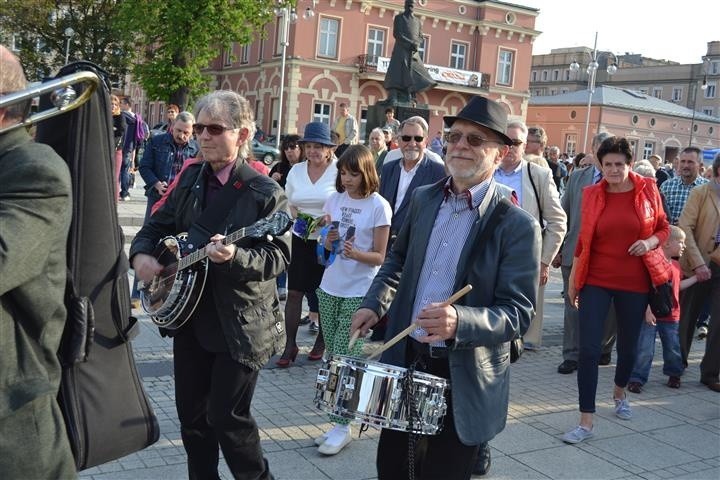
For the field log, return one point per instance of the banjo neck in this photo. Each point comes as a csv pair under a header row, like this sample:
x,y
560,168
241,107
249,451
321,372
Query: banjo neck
x,y
201,253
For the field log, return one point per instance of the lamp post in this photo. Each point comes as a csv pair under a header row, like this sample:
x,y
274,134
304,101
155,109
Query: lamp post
x,y
703,87
69,33
592,71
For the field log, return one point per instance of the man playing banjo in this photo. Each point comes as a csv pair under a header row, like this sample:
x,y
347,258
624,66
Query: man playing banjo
x,y
237,324
468,343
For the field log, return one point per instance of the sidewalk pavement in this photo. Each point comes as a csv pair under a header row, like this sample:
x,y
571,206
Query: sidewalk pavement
x,y
673,434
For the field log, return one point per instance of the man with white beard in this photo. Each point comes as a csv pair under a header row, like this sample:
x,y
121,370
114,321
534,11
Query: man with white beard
x,y
415,168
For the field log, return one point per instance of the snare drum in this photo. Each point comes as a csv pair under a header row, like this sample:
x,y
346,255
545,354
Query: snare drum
x,y
374,393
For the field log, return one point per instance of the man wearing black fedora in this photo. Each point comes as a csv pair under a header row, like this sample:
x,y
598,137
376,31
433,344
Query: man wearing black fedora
x,y
446,243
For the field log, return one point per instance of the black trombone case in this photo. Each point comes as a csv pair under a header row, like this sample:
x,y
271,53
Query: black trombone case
x,y
107,412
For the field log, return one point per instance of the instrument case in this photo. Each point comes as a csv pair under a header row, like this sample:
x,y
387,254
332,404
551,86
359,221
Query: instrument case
x,y
107,412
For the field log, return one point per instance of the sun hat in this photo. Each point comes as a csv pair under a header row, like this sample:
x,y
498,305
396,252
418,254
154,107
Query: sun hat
x,y
317,132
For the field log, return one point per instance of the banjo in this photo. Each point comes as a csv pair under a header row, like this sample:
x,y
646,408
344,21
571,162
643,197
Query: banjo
x,y
171,297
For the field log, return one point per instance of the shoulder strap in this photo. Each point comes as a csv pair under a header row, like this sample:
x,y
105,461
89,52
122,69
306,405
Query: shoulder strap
x,y
208,223
537,197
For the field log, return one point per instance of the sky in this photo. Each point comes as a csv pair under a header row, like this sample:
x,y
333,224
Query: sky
x,y
677,31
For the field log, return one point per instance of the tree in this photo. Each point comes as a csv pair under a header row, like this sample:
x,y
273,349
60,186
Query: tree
x,y
38,28
177,39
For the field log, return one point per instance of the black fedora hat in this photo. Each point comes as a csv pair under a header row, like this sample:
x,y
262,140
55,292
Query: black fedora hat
x,y
487,113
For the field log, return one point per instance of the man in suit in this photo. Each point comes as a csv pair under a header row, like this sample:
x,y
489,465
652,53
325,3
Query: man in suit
x,y
571,201
700,220
35,213
538,196
237,325
415,168
435,254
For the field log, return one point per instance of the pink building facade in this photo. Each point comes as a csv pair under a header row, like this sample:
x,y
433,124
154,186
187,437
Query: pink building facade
x,y
335,56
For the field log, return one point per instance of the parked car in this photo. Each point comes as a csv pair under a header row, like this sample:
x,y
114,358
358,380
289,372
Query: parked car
x,y
265,153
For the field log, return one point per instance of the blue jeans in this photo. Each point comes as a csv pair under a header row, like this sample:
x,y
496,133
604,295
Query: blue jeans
x,y
672,359
125,173
281,280
594,305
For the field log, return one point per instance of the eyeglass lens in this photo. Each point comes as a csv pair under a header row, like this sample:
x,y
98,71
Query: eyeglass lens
x,y
407,138
472,139
213,129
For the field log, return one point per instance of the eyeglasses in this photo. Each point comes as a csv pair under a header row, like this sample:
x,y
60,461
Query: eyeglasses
x,y
291,146
516,143
417,138
213,129
473,139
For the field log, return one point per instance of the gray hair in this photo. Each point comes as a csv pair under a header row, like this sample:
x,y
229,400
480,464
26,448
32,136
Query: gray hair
x,y
599,139
185,117
644,168
416,120
521,125
232,109
377,130
12,79
554,149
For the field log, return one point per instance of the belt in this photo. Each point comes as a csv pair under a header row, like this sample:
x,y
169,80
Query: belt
x,y
428,350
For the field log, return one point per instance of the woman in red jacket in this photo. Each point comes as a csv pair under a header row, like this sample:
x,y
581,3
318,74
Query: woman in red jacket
x,y
622,220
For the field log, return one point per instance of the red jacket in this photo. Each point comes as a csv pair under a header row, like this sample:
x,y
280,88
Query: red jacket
x,y
649,209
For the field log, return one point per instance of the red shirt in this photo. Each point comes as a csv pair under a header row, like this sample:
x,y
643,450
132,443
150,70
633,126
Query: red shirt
x,y
675,313
611,266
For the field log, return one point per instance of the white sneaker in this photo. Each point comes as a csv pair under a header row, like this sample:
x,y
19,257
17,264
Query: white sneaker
x,y
336,440
702,332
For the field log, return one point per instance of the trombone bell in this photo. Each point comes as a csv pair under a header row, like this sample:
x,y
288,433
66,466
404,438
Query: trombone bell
x,y
62,95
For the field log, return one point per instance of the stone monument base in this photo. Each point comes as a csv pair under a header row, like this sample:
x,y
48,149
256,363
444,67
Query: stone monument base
x,y
403,111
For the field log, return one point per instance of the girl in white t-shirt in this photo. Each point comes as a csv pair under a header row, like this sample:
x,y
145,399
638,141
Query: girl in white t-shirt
x,y
354,242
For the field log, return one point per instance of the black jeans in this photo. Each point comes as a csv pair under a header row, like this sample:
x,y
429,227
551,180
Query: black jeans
x,y
213,395
440,456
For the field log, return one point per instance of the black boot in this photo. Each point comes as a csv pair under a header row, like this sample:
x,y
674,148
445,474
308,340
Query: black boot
x,y
482,464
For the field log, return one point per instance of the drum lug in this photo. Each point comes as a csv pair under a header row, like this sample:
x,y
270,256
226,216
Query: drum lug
x,y
322,376
348,388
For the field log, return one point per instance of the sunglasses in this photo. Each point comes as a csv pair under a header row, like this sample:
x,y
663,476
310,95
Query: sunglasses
x,y
473,139
407,138
291,146
213,129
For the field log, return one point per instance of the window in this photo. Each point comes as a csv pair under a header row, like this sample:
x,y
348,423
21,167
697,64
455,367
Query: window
x,y
505,67
710,90
564,90
538,93
534,76
279,35
567,75
544,75
648,150
327,43
707,111
677,94
457,55
227,56
245,54
714,68
657,92
260,50
553,91
570,144
556,75
633,146
422,48
15,43
321,113
375,45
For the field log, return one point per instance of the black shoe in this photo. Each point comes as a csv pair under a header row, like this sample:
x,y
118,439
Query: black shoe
x,y
605,359
567,366
482,464
305,320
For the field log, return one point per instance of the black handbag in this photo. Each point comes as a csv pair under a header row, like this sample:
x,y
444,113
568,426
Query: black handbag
x,y
661,300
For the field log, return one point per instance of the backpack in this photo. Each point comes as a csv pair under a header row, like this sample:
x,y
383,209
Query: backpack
x,y
106,411
142,131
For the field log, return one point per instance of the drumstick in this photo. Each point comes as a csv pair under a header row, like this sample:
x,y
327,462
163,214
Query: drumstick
x,y
453,298
353,339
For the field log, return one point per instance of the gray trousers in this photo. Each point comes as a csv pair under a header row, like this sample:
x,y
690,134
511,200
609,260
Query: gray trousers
x,y
570,325
710,365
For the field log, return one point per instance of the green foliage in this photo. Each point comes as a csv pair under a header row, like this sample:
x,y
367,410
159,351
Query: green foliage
x,y
176,40
39,28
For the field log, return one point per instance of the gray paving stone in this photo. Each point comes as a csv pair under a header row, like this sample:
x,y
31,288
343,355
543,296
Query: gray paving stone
x,y
643,451
166,472
508,468
518,437
688,438
569,462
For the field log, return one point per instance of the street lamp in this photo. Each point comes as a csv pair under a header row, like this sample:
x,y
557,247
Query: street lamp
x,y
287,16
703,87
592,71
69,33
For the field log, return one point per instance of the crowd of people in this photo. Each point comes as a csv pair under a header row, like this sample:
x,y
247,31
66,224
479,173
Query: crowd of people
x,y
382,236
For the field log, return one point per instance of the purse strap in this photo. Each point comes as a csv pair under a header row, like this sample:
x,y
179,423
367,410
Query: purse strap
x,y
537,197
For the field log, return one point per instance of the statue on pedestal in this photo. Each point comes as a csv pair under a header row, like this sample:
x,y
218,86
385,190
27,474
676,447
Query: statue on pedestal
x,y
406,75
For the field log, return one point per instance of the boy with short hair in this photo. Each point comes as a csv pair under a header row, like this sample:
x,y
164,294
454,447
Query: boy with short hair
x,y
667,327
